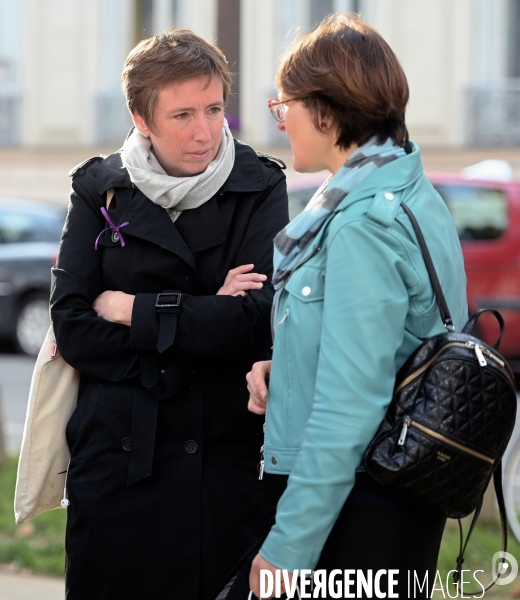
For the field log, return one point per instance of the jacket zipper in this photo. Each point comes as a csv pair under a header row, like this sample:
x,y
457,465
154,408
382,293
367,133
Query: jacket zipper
x,y
438,436
261,464
285,315
479,352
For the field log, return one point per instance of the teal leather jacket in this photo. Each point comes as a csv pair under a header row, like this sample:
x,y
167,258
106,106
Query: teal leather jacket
x,y
350,315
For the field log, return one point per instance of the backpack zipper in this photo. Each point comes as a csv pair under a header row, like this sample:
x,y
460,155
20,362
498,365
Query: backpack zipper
x,y
408,422
479,352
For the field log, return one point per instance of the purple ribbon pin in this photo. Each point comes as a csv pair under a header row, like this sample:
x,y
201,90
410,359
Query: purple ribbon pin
x,y
114,228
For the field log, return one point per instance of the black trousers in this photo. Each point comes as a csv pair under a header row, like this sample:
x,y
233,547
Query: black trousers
x,y
377,530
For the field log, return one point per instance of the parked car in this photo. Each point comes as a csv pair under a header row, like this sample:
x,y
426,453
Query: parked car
x,y
486,213
29,239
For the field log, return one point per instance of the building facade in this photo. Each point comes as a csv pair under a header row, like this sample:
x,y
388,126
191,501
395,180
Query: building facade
x,y
60,63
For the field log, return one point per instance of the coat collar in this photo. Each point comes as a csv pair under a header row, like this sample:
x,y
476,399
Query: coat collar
x,y
149,221
202,227
247,174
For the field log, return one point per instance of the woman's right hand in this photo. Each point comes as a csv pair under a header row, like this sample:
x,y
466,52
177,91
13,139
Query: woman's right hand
x,y
257,382
238,281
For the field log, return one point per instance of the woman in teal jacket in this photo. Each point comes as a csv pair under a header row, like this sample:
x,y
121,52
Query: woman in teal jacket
x,y
353,301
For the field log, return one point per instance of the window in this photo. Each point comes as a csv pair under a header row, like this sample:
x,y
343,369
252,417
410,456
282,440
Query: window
x,y
479,213
144,19
514,38
319,9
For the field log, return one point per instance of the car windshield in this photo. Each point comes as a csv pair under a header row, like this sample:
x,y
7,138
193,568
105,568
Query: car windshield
x,y
26,224
479,213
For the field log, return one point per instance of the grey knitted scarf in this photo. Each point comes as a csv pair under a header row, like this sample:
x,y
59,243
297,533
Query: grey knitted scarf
x,y
176,194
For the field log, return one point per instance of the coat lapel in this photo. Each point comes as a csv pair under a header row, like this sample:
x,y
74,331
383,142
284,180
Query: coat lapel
x,y
151,222
202,227
195,230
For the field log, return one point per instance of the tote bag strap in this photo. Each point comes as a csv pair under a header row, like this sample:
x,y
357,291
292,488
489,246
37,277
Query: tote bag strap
x,y
497,480
110,195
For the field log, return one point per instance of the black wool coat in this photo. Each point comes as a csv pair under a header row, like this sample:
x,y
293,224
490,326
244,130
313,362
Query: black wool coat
x,y
163,481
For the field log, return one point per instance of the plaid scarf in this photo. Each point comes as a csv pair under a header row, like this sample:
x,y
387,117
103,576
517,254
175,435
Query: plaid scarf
x,y
291,244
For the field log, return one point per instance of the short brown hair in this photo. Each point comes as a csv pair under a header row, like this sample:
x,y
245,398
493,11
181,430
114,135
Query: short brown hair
x,y
173,56
345,69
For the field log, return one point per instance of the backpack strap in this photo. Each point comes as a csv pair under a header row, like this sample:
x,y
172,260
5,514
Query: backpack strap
x,y
497,481
468,328
441,300
497,475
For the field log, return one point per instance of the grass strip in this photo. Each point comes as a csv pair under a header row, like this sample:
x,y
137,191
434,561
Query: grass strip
x,y
37,545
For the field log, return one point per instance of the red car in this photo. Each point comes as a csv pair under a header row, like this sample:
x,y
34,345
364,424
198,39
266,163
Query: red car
x,y
487,217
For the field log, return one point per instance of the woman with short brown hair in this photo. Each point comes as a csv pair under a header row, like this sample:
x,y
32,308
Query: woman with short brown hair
x,y
353,300
161,300
345,71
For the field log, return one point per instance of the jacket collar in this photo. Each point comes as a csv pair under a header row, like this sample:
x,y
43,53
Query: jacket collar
x,y
392,177
247,174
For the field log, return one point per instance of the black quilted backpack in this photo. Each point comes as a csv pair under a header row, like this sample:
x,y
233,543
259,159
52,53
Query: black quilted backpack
x,y
449,422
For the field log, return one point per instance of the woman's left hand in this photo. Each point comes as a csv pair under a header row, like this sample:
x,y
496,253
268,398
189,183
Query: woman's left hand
x,y
257,382
115,307
254,577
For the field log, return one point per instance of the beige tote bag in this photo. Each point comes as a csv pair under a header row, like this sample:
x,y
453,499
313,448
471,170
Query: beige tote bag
x,y
44,457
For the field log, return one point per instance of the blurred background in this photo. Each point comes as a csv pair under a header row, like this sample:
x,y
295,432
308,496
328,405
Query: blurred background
x,y
60,63
61,102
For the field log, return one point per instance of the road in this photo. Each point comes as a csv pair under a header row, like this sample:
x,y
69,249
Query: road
x,y
15,380
15,586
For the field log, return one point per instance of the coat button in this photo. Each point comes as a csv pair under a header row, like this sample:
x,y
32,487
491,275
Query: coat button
x,y
126,444
274,460
191,447
306,291
115,236
389,196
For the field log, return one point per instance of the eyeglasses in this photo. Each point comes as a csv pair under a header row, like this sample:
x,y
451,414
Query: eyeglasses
x,y
278,108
